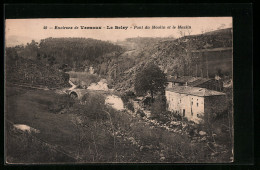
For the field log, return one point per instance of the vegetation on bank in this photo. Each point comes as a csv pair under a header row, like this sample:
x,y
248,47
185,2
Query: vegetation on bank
x,y
150,79
83,79
26,71
25,148
94,132
90,131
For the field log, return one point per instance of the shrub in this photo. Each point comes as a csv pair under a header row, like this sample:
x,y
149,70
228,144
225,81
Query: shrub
x,y
162,118
36,73
62,102
185,119
159,106
169,115
177,116
93,107
140,112
148,101
127,95
130,106
26,148
84,77
130,94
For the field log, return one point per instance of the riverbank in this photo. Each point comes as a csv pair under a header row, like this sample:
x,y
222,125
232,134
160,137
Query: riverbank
x,y
95,132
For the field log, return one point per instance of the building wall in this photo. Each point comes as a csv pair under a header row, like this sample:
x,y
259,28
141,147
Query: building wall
x,y
193,105
215,104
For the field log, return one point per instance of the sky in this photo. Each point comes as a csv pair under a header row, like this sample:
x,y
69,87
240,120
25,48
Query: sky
x,y
21,31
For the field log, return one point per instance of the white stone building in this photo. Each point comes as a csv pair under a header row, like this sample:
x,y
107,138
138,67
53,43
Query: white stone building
x,y
193,102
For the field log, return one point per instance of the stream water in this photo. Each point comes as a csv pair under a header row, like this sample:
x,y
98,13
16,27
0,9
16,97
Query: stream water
x,y
111,99
115,102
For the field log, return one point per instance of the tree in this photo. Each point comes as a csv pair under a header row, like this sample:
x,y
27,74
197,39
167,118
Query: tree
x,y
11,56
159,106
30,51
151,79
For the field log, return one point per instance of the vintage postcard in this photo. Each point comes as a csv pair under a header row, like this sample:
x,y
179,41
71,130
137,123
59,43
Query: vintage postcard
x,y
119,90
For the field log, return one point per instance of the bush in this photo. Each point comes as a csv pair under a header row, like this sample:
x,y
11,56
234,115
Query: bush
x,y
159,106
140,112
130,106
26,148
36,73
84,77
127,95
93,106
148,101
63,102
162,118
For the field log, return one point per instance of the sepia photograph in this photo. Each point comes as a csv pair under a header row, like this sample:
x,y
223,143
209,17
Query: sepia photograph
x,y
119,90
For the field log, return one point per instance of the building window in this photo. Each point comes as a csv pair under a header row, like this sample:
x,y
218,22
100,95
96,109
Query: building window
x,y
191,103
197,104
198,115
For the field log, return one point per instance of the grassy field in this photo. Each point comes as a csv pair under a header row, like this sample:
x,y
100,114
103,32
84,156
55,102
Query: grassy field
x,y
92,132
31,107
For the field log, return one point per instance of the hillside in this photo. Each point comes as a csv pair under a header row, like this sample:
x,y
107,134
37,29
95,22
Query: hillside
x,y
75,52
173,56
119,62
24,64
140,42
26,71
78,51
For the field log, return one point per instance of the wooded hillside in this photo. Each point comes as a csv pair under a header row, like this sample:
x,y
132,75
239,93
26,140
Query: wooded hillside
x,y
173,55
39,63
119,63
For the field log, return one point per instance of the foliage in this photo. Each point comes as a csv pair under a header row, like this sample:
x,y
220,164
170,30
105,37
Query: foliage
x,y
80,50
63,104
74,52
84,78
140,113
30,51
127,95
54,54
130,106
92,132
25,148
141,42
35,73
174,55
150,79
93,106
11,56
219,127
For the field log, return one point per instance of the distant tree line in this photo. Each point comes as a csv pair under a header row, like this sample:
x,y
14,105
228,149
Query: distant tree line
x,y
75,52
40,63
